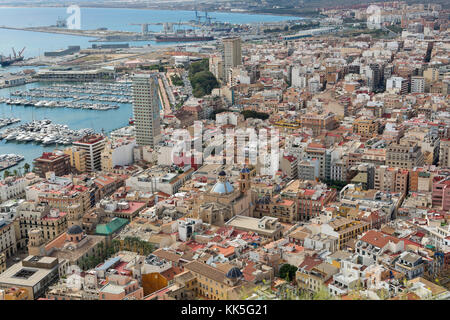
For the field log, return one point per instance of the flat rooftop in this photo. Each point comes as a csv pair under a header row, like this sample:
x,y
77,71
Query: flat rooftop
x,y
250,224
18,275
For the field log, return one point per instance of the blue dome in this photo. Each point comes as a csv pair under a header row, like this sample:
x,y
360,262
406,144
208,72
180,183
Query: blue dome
x,y
234,273
245,170
75,230
222,173
222,187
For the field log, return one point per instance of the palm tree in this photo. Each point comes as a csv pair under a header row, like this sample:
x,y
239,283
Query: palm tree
x,y
115,246
101,248
15,173
6,174
148,248
82,263
26,167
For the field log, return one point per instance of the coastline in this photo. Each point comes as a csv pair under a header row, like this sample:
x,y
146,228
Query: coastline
x,y
93,6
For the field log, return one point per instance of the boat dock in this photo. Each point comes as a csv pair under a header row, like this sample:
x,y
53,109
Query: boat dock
x,y
79,96
9,160
8,121
44,132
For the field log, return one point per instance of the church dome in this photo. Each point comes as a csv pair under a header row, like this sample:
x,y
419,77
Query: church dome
x,y
222,187
75,230
222,174
245,170
234,273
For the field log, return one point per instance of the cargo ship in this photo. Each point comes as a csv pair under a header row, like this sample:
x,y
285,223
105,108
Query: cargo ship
x,y
175,38
7,61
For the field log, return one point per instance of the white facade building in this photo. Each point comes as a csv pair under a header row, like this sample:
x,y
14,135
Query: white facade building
x,y
146,110
12,187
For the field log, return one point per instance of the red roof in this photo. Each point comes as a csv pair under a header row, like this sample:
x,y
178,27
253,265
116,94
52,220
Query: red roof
x,y
309,263
378,239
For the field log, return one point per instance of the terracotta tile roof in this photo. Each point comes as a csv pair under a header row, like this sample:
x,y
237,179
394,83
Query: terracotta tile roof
x,y
225,251
309,263
378,239
248,271
169,274
167,255
206,270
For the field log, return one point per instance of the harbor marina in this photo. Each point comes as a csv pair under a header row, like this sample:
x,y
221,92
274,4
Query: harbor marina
x,y
44,132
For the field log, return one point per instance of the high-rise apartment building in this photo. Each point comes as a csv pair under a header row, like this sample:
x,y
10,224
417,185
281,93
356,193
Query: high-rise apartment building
x,y
216,67
417,84
232,54
146,110
77,158
397,84
93,146
374,75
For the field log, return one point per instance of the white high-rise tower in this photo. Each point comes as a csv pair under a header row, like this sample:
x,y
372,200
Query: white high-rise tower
x,y
146,109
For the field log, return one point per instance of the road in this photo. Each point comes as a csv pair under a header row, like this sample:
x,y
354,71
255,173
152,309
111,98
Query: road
x,y
187,84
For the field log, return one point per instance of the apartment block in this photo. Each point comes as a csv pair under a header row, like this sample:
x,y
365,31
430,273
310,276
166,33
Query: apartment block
x,y
93,146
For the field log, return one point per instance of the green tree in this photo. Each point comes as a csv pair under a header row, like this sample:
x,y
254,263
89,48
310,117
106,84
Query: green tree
x,y
287,271
202,81
323,294
199,66
176,80
213,114
26,167
6,174
254,114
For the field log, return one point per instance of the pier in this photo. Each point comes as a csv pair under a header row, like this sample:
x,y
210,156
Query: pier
x,y
8,121
103,35
9,160
73,96
44,132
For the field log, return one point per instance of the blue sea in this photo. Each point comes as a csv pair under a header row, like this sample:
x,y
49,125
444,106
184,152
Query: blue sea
x,y
91,18
74,118
94,18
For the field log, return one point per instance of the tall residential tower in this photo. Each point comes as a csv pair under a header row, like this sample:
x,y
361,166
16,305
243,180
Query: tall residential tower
x,y
232,54
146,109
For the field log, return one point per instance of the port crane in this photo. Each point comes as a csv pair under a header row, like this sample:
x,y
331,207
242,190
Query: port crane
x,y
20,52
168,26
199,17
6,61
15,54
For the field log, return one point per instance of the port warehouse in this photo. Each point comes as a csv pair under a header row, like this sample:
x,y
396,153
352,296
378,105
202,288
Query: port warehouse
x,y
60,53
111,46
75,49
76,75
12,80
